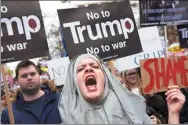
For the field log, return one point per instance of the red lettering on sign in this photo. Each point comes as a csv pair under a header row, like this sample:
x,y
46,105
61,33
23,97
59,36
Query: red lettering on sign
x,y
169,73
159,74
151,84
178,68
185,71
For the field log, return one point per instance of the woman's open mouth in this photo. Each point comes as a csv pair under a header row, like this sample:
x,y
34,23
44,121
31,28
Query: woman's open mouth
x,y
91,83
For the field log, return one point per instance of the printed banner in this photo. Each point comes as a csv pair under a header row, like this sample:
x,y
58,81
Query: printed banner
x,y
163,12
158,74
183,35
107,30
22,31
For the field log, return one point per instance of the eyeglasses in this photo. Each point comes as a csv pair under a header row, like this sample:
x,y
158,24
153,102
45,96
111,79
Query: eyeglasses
x,y
27,74
131,74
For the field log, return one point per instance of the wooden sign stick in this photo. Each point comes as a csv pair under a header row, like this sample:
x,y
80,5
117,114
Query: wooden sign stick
x,y
166,44
10,112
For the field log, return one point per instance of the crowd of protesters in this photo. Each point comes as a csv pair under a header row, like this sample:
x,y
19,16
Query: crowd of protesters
x,y
156,103
91,95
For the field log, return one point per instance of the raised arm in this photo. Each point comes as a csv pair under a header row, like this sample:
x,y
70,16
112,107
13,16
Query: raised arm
x,y
175,100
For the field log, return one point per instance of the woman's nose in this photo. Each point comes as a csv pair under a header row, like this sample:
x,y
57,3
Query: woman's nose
x,y
89,69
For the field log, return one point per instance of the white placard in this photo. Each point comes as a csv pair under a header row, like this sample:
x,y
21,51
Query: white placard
x,y
57,69
152,48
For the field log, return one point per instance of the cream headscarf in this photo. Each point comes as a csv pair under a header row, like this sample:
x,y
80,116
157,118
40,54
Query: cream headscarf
x,y
118,105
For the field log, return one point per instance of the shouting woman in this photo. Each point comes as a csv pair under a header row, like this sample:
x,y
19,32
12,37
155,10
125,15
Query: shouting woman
x,y
92,95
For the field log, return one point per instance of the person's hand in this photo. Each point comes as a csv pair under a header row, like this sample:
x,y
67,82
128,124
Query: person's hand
x,y
175,99
153,119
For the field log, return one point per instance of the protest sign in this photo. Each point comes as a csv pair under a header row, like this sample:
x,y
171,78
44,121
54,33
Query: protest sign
x,y
22,31
107,30
183,35
165,12
173,43
152,47
158,74
57,69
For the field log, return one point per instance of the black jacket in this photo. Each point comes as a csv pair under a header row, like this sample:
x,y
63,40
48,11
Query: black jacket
x,y
159,104
184,111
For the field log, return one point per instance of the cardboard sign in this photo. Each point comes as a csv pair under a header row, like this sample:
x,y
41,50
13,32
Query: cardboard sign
x,y
107,30
163,12
57,69
183,35
22,31
152,47
158,74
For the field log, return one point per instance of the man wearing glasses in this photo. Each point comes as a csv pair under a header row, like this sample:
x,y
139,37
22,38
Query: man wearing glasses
x,y
33,105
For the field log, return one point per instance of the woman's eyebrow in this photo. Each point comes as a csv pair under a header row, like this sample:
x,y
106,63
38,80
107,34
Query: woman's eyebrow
x,y
81,65
91,63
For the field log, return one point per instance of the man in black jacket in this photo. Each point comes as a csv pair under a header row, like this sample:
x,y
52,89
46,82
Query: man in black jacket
x,y
33,105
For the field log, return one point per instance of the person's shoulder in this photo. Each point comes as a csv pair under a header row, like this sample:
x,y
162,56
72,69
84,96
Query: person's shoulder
x,y
5,116
52,95
5,110
57,95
